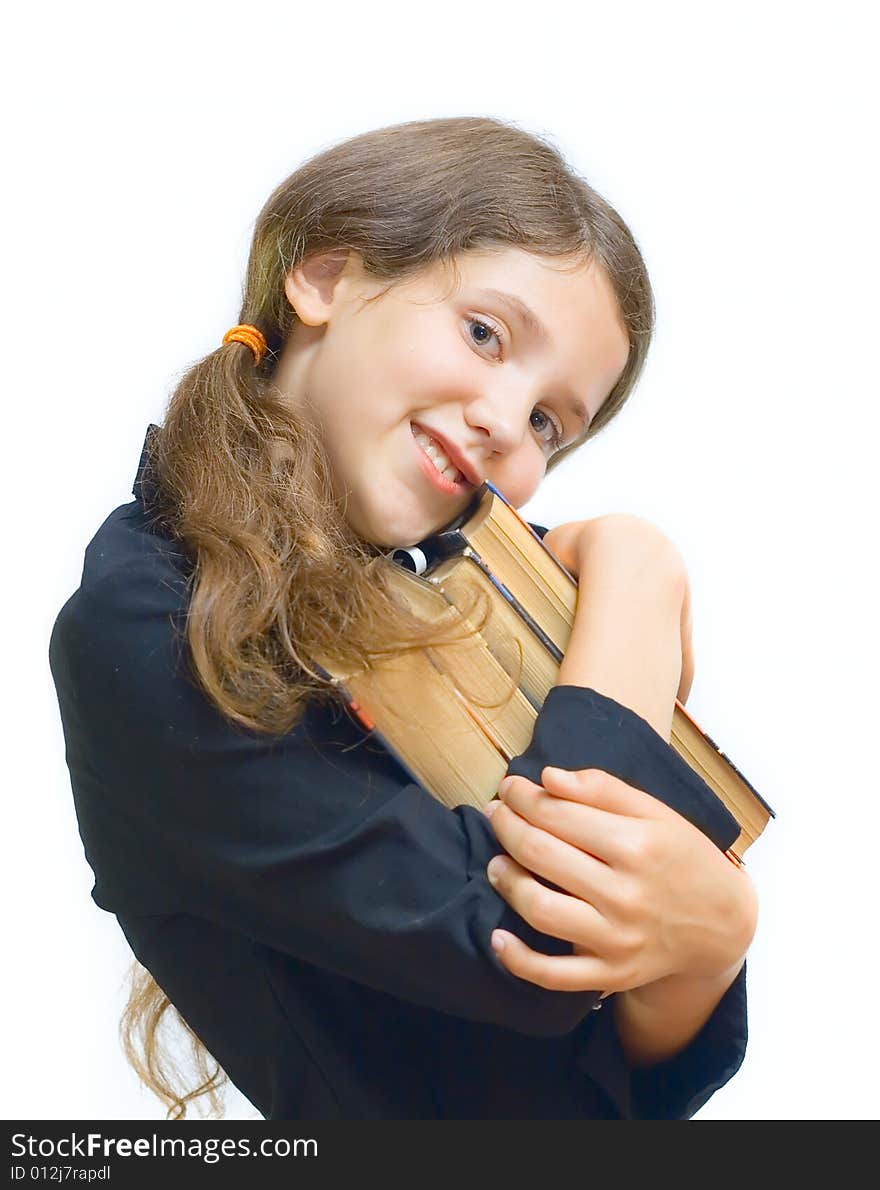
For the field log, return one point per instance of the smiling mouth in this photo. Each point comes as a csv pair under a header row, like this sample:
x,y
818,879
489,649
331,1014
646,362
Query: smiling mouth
x,y
438,458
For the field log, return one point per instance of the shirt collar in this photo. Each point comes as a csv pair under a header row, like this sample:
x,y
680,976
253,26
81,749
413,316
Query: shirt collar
x,y
144,487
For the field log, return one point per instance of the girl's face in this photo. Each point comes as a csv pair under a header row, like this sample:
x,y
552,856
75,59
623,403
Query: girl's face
x,y
499,386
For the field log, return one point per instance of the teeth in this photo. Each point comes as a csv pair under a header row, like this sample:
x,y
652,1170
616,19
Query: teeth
x,y
437,457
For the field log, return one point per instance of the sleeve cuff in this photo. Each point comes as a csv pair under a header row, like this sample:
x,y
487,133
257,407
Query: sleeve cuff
x,y
677,1088
578,728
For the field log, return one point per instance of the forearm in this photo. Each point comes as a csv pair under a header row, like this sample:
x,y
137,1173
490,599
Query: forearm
x,y
655,1022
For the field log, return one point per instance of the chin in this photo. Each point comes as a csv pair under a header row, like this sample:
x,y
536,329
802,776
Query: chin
x,y
397,527
403,536
383,533
399,541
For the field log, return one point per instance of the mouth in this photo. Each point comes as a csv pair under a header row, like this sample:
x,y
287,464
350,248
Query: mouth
x,y
434,455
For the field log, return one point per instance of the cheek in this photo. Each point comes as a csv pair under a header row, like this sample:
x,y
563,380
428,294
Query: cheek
x,y
330,379
431,374
355,386
423,358
520,476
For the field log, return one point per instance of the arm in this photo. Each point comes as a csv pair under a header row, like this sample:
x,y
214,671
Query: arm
x,y
631,639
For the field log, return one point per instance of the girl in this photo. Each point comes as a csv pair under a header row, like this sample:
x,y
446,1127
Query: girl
x,y
426,306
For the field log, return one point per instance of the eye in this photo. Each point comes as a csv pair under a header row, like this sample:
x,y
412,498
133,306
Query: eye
x,y
488,332
555,439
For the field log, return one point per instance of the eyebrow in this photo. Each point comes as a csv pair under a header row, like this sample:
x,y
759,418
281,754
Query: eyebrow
x,y
535,326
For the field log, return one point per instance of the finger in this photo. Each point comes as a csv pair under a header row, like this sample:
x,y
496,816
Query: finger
x,y
602,790
604,835
567,866
550,911
562,973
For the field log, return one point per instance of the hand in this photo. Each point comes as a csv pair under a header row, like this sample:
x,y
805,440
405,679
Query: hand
x,y
640,892
625,553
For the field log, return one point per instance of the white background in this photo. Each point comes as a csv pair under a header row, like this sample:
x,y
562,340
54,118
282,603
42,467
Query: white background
x,y
738,141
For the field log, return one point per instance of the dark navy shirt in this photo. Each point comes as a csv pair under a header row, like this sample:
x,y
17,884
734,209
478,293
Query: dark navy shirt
x,y
319,920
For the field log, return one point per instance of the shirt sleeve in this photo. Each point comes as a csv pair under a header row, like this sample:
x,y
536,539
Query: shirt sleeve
x,y
316,843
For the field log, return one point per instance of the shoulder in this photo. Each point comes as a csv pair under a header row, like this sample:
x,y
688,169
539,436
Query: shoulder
x,y
128,553
116,641
128,571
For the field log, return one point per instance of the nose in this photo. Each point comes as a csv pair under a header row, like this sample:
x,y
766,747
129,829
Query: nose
x,y
502,411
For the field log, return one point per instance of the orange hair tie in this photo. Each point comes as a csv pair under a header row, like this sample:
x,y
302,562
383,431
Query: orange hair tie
x,y
250,336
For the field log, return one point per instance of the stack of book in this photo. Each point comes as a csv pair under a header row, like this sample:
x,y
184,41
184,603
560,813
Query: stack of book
x,y
455,715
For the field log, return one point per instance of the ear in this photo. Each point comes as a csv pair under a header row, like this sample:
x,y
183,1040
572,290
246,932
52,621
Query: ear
x,y
311,286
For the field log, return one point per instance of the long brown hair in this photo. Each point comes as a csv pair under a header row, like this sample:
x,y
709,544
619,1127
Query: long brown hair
x,y
279,578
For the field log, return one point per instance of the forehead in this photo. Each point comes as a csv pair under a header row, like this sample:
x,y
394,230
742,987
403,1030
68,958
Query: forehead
x,y
501,266
553,297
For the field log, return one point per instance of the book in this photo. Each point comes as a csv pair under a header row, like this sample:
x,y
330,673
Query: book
x,y
454,716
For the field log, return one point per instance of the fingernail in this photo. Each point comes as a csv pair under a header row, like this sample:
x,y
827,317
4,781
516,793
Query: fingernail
x,y
490,807
504,786
498,940
495,869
